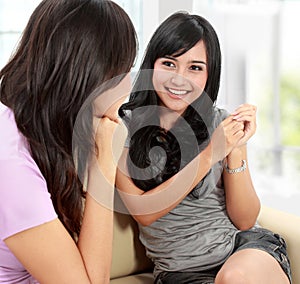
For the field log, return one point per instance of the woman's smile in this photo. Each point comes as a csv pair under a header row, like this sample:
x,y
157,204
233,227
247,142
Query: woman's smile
x,y
177,93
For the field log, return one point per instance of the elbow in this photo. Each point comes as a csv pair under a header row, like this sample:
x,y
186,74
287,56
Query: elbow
x,y
245,226
143,220
249,220
146,223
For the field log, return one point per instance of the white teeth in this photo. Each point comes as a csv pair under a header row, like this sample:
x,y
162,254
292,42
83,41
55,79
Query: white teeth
x,y
178,92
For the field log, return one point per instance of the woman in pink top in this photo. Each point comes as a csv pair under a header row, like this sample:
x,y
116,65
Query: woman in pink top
x,y
70,52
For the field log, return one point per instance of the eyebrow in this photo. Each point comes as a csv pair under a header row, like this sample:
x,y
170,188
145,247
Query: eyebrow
x,y
193,61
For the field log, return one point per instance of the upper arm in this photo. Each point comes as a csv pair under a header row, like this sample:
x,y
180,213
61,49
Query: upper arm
x,y
49,254
30,228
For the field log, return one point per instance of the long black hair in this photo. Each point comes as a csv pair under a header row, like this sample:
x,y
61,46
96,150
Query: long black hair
x,y
150,165
68,49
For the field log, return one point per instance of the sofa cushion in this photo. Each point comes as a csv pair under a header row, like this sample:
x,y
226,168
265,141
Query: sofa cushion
x,y
142,278
128,253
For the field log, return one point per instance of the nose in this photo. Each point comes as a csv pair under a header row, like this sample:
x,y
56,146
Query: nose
x,y
178,79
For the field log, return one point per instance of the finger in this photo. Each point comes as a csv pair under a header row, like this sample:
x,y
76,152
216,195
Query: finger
x,y
104,127
234,125
96,122
246,114
229,124
250,110
105,120
243,110
239,126
245,118
246,106
249,129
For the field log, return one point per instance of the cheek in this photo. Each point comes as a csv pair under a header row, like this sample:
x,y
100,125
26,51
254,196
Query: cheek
x,y
159,79
156,80
108,105
200,82
110,101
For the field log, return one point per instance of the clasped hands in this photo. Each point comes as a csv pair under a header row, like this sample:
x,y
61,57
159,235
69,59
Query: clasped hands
x,y
234,131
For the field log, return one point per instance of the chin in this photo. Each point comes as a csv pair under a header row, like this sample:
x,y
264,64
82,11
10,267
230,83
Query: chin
x,y
179,109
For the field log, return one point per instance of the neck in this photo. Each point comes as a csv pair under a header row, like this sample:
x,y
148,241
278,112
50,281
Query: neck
x,y
168,118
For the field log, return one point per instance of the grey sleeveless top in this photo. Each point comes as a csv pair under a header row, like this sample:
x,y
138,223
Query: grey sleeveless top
x,y
196,235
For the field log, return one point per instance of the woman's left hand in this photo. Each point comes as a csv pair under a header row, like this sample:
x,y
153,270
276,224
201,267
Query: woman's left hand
x,y
246,113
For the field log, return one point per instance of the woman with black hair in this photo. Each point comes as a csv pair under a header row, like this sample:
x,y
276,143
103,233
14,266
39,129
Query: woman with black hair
x,y
59,94
184,174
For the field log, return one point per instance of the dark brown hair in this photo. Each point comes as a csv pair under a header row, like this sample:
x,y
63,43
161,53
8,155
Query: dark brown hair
x,y
176,35
68,49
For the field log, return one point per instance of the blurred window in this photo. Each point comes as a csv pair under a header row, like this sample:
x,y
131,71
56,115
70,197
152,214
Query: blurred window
x,y
15,14
261,65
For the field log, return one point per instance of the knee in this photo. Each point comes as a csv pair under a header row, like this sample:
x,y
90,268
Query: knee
x,y
231,276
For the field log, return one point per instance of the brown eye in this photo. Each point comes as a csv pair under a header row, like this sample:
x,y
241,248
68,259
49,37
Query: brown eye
x,y
168,64
196,68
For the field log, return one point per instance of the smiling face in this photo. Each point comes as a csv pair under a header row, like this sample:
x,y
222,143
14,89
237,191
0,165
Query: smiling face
x,y
180,80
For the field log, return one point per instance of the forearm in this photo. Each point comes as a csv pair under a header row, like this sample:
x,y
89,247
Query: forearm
x,y
147,207
95,239
242,202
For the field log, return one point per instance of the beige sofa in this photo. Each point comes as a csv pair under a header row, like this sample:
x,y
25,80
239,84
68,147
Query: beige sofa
x,y
131,266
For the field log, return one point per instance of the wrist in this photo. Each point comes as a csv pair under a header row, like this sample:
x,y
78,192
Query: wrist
x,y
236,161
106,169
239,169
236,153
100,185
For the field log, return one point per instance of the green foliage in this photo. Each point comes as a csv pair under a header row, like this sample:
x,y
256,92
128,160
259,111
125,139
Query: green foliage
x,y
290,109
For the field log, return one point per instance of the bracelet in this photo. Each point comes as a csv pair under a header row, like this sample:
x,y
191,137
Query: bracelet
x,y
237,170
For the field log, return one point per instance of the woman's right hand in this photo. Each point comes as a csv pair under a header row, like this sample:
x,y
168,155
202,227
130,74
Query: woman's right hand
x,y
110,136
225,137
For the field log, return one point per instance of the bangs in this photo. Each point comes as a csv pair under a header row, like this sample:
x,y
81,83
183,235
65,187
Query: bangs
x,y
177,39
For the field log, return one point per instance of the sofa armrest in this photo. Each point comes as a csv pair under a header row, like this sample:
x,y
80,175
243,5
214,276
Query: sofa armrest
x,y
288,226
